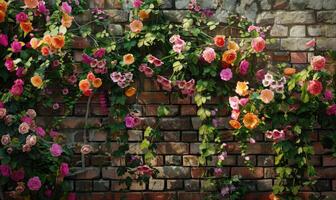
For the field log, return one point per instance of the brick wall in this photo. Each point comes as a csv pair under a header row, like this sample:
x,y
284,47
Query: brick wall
x,y
293,22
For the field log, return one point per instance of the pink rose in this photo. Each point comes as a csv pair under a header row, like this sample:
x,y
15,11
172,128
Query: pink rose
x,y
66,8
56,150
234,102
71,196
235,114
31,113
9,64
20,72
40,131
3,112
278,135
226,74
18,175
311,43
41,7
53,134
3,40
34,183
209,55
129,121
31,140
64,169
16,90
258,44
21,17
243,67
99,53
5,170
252,28
24,128
86,149
115,76
5,139
328,95
137,3
315,87
16,47
331,110
243,101
318,63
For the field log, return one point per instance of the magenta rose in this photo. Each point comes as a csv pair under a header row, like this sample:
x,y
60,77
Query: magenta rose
x,y
331,110
34,183
9,64
5,170
3,40
315,87
243,67
318,63
21,17
18,175
56,150
16,47
64,169
40,131
71,196
99,53
66,8
226,74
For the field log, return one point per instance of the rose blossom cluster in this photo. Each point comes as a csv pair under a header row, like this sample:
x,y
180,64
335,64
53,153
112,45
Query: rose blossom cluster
x,y
132,120
122,79
276,135
91,82
275,85
178,43
17,88
96,62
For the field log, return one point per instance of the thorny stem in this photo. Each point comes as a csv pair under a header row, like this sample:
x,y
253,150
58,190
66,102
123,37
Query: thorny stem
x,y
85,126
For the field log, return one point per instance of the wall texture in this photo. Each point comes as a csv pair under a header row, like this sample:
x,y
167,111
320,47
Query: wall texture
x,y
293,23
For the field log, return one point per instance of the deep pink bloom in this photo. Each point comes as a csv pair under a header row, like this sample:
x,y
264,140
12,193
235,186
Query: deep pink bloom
x,y
315,87
16,47
145,170
328,95
9,64
64,169
99,53
18,175
252,28
87,59
53,133
16,90
5,170
20,72
71,196
154,60
41,7
66,8
331,110
56,150
21,17
3,40
48,193
129,121
226,74
243,67
34,183
218,172
40,131
243,101
260,74
278,135
137,3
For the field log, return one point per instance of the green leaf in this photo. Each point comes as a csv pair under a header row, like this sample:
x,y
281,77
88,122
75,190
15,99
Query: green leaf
x,y
177,66
162,111
148,131
144,144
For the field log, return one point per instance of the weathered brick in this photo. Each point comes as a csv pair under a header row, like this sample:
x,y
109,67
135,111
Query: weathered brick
x,y
134,135
265,160
117,16
150,85
87,173
188,110
279,31
173,160
101,185
264,185
153,98
173,172
172,148
158,196
83,186
110,173
191,185
294,44
189,136
326,16
171,136
294,17
298,31
329,161
175,99
156,184
175,124
326,172
247,173
174,184
299,57
197,172
190,160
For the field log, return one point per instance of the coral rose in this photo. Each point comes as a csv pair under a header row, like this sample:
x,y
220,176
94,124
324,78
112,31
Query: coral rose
x,y
90,76
258,44
128,59
97,82
31,3
235,124
242,88
289,71
130,91
219,40
266,96
229,56
26,26
318,63
233,46
84,85
209,54
45,51
143,15
67,20
315,87
136,26
47,39
250,121
58,41
36,81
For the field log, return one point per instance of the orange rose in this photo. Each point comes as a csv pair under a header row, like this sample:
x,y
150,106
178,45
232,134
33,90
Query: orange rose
x,y
34,43
219,40
266,96
143,15
273,197
84,85
233,46
250,121
45,51
289,71
97,82
229,56
57,41
67,20
128,59
31,3
3,6
36,81
2,16
47,39
136,26
26,26
235,124
130,91
242,88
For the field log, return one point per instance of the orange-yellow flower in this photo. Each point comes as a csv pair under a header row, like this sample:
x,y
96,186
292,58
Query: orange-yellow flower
x,y
97,82
2,16
84,85
3,6
34,43
31,3
235,124
57,41
36,81
143,15
229,56
26,26
289,71
242,88
130,91
136,26
67,20
266,96
47,39
233,46
45,51
250,121
128,59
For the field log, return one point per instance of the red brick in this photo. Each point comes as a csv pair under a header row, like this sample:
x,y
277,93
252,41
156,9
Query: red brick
x,y
260,148
326,172
191,195
172,148
188,110
159,196
280,56
318,148
87,173
329,161
80,43
190,160
299,57
257,196
245,172
189,136
151,86
175,124
128,196
153,97
175,99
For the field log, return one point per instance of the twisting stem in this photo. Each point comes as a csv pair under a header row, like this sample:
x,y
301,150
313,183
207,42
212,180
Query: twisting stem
x,y
87,113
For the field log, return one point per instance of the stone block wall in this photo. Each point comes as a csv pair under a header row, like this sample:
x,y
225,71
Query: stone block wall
x,y
292,22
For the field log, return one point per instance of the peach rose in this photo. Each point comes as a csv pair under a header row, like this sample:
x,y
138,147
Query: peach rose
x,y
235,124
5,139
34,43
86,149
31,3
31,113
219,40
266,96
90,76
229,56
242,88
209,54
258,44
136,26
36,81
58,41
318,63
26,26
143,15
47,39
128,59
3,6
289,71
250,121
130,91
67,20
31,140
3,112
84,85
233,46
24,128
97,82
